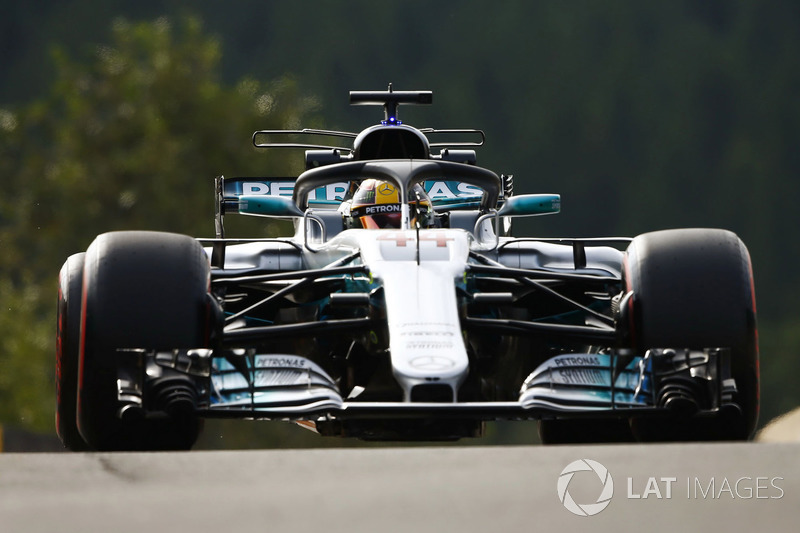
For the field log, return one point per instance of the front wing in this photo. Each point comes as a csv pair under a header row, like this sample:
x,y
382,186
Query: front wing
x,y
243,384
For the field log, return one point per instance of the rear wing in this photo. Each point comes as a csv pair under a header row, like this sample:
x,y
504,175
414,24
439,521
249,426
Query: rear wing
x,y
444,194
233,188
234,194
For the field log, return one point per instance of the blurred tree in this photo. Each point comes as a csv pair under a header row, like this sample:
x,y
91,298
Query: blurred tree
x,y
130,139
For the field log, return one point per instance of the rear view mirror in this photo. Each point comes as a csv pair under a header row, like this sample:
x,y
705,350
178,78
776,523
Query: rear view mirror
x,y
267,205
526,205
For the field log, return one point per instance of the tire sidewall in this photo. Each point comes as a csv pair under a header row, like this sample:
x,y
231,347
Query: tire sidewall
x,y
70,288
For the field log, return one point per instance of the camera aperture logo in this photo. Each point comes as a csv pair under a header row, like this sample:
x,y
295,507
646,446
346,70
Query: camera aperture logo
x,y
585,509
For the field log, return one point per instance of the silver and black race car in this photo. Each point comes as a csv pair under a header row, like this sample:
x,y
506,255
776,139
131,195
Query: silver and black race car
x,y
402,309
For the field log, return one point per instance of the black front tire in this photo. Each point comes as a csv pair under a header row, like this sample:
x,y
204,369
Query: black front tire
x,y
693,288
142,290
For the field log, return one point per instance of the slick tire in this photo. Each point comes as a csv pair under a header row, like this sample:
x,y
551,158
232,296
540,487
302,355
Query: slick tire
x,y
693,288
70,287
142,290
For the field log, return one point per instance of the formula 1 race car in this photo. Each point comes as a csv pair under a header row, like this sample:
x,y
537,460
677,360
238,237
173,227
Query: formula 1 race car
x,y
402,309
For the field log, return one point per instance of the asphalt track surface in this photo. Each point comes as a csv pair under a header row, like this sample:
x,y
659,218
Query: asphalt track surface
x,y
441,489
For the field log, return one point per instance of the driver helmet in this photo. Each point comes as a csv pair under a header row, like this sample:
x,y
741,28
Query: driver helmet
x,y
376,205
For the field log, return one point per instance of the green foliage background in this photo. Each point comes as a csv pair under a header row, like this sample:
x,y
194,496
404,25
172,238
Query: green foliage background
x,y
644,115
